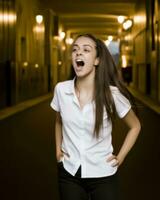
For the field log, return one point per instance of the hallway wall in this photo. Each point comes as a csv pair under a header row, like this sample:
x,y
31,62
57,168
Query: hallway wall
x,y
31,72
7,52
146,32
29,59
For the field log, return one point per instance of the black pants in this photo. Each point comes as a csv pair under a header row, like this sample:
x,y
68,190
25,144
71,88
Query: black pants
x,y
77,188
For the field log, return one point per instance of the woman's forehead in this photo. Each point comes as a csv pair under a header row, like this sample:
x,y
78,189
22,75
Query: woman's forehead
x,y
84,41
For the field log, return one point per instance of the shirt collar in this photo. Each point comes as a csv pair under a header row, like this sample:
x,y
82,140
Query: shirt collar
x,y
70,89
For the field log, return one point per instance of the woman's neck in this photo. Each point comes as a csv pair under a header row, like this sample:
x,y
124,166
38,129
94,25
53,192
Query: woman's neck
x,y
84,89
85,84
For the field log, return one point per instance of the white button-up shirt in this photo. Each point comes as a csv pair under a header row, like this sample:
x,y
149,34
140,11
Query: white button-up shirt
x,y
77,128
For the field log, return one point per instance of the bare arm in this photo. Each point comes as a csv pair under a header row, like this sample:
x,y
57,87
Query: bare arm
x,y
133,123
58,136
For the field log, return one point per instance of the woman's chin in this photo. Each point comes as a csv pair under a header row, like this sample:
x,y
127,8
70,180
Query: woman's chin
x,y
79,74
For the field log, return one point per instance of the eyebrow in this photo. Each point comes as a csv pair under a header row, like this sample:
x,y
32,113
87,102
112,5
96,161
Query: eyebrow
x,y
83,45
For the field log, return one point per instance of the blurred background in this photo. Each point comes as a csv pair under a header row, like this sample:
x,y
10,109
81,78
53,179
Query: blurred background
x,y
35,41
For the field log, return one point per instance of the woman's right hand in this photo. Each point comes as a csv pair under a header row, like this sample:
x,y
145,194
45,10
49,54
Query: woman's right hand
x,y
59,156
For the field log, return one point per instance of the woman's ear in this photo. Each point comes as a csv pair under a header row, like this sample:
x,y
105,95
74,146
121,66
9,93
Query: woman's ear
x,y
96,61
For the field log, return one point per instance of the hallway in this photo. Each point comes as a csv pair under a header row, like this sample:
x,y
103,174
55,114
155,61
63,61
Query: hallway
x,y
36,38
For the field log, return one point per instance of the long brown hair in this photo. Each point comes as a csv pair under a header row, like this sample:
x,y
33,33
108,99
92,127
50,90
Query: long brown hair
x,y
106,75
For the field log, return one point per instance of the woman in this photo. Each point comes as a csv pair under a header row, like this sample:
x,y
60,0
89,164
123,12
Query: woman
x,y
85,109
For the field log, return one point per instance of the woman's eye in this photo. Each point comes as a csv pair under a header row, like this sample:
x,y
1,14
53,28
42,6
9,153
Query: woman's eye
x,y
73,50
86,50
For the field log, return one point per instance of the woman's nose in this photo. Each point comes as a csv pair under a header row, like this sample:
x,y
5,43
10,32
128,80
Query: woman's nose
x,y
79,52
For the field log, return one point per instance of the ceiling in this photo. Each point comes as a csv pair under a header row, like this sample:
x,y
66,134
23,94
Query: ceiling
x,y
98,17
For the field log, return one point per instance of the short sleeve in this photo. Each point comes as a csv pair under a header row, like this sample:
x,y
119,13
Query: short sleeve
x,y
122,104
55,101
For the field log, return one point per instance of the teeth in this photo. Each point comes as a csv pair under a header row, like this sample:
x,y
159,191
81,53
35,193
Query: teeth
x,y
79,60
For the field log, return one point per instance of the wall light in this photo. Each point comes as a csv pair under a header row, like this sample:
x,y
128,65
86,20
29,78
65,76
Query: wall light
x,y
39,29
7,17
128,37
36,65
63,48
59,62
56,37
124,61
25,64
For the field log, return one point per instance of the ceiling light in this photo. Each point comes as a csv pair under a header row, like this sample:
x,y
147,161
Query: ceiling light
x,y
69,40
39,19
62,35
127,24
120,19
107,42
110,38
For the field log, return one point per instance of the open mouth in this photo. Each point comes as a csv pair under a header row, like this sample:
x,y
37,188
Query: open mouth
x,y
80,63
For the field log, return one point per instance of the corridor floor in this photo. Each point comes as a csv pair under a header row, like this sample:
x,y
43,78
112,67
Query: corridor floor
x,y
28,169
